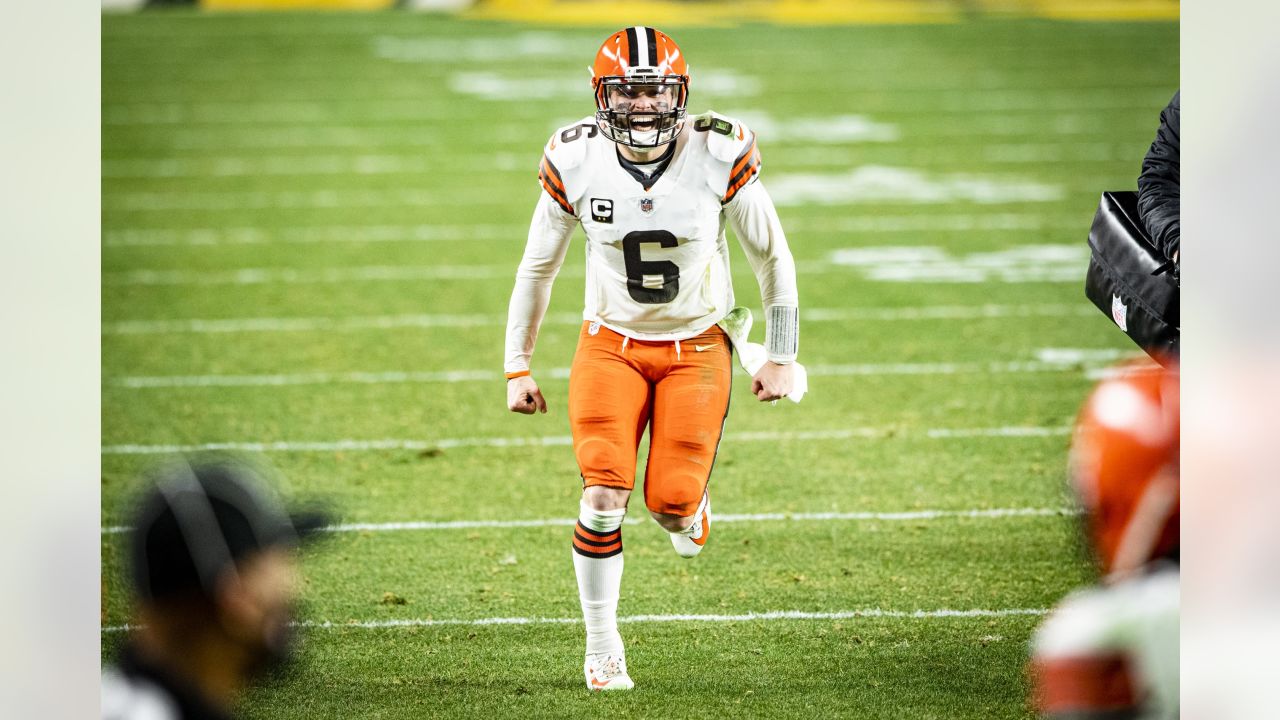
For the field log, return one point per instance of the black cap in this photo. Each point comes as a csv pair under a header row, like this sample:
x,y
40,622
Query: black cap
x,y
198,519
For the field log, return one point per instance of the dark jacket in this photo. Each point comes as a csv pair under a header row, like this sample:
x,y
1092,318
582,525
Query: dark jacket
x,y
1158,195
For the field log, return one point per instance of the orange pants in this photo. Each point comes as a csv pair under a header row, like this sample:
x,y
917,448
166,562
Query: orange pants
x,y
617,386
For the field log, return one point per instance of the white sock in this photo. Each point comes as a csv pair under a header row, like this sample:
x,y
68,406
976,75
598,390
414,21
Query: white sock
x,y
597,560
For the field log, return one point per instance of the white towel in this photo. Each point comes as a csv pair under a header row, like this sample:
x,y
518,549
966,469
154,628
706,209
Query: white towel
x,y
752,356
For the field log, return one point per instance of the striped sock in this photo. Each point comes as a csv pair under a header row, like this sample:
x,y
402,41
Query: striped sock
x,y
597,560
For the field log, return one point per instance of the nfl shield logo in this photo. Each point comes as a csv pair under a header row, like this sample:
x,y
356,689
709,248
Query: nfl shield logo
x,y
1119,313
646,205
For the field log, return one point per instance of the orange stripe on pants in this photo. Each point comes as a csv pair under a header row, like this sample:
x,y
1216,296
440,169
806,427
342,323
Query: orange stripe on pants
x,y
616,392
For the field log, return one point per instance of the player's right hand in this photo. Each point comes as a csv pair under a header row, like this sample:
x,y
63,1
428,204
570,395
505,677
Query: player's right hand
x,y
523,396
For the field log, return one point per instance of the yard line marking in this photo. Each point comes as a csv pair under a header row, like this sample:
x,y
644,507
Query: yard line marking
x,y
383,322
951,222
1049,360
298,276
275,165
748,517
353,445
255,235
278,324
319,378
997,432
251,235
1025,264
885,183
1040,263
865,184
766,616
291,199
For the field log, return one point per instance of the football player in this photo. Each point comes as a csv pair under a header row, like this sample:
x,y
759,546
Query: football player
x,y
653,190
1111,650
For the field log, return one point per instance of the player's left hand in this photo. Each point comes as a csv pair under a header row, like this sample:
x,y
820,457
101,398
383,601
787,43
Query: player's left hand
x,y
772,381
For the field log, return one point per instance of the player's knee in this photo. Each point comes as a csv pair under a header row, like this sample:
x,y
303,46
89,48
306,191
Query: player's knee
x,y
599,497
677,499
672,523
596,456
602,462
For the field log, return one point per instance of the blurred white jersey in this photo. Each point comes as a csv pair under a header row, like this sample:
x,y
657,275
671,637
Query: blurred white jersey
x,y
1111,651
657,259
134,698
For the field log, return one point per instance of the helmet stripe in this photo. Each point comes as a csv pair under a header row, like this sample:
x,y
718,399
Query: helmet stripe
x,y
633,50
651,38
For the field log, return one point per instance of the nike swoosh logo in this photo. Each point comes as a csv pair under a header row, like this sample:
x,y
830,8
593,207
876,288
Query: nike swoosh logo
x,y
740,135
597,683
701,348
553,143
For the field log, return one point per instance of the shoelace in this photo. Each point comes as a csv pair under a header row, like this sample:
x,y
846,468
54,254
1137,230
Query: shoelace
x,y
610,668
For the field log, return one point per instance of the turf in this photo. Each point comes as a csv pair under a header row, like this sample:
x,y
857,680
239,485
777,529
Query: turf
x,y
307,147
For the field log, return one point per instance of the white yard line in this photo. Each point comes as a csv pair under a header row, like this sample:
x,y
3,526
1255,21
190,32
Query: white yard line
x,y
941,222
255,235
905,515
356,234
1011,266
353,445
300,324
302,276
947,433
340,198
767,616
1082,360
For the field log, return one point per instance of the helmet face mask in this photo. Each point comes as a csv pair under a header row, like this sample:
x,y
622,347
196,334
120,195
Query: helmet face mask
x,y
642,111
641,87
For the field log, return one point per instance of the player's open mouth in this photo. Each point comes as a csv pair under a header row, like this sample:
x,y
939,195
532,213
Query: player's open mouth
x,y
644,123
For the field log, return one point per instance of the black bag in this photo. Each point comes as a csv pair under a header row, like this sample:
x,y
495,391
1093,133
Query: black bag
x,y
1129,279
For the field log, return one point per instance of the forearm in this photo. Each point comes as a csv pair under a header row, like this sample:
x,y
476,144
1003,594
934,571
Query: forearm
x,y
1159,195
1159,204
528,306
754,220
544,252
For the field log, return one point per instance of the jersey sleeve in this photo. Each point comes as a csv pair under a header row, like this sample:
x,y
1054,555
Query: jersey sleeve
x,y
734,155
560,170
755,221
549,234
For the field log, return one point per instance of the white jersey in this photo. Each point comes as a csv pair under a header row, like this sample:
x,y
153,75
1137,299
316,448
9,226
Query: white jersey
x,y
1111,648
657,258
135,698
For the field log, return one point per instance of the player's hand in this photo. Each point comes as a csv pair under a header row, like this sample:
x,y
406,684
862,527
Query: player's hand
x,y
772,381
523,396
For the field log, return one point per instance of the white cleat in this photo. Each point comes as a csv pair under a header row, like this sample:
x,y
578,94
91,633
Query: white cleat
x,y
606,671
690,542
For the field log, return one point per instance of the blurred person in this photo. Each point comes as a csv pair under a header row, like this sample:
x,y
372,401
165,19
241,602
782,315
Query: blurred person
x,y
653,190
215,573
1159,185
1111,650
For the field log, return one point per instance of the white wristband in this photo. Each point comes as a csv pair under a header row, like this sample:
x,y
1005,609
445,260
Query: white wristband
x,y
782,333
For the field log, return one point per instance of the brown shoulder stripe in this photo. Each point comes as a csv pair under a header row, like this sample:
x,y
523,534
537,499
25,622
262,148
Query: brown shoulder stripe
x,y
553,184
742,159
747,167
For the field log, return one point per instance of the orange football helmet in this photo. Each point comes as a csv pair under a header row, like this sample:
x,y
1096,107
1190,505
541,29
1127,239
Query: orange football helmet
x,y
1124,466
641,84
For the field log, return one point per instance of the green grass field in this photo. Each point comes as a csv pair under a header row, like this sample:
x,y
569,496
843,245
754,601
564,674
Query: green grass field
x,y
311,225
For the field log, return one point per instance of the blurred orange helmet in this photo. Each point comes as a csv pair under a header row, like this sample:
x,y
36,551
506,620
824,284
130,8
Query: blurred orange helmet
x,y
1124,466
641,84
